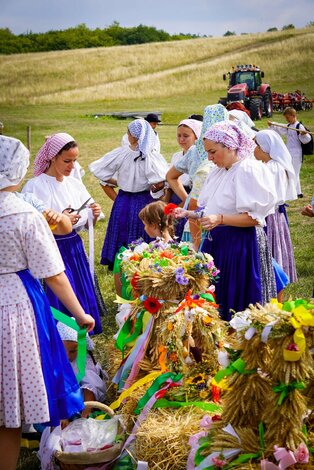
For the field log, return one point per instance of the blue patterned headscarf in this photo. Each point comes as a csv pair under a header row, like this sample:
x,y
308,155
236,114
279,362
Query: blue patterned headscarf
x,y
212,114
142,130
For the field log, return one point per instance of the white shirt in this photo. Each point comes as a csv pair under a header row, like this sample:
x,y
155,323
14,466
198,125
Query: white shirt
x,y
58,195
133,173
248,186
184,179
293,138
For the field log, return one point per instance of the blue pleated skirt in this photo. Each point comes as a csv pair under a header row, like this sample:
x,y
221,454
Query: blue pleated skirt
x,y
124,225
235,253
63,391
77,270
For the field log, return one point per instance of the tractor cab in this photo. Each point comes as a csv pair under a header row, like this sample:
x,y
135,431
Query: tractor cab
x,y
247,88
252,79
249,74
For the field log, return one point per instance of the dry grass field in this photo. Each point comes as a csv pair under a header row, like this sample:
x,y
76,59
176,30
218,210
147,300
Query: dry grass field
x,y
152,70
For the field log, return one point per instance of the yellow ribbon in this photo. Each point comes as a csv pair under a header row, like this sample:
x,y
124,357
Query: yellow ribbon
x,y
300,317
148,378
222,384
120,300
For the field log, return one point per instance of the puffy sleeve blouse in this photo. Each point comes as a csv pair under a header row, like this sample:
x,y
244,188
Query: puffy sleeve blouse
x,y
247,187
133,171
58,195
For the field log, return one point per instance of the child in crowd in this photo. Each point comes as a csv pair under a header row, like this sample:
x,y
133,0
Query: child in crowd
x,y
157,224
93,384
293,142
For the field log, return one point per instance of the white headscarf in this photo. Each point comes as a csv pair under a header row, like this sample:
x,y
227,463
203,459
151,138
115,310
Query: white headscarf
x,y
14,161
241,116
193,124
271,143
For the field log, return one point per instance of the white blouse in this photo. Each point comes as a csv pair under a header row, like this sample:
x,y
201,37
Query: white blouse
x,y
248,186
185,178
133,173
285,186
293,138
58,195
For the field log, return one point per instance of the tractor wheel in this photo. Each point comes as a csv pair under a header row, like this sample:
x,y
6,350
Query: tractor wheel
x,y
268,105
256,109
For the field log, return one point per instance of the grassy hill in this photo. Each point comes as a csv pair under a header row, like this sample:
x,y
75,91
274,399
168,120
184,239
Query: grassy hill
x,y
60,91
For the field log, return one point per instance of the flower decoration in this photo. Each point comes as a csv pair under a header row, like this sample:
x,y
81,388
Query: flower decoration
x,y
169,208
152,305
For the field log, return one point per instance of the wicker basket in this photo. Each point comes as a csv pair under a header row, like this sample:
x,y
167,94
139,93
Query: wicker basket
x,y
82,460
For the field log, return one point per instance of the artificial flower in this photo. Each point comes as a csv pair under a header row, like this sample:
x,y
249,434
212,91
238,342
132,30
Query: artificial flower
x,y
152,305
166,254
173,357
169,208
302,453
134,281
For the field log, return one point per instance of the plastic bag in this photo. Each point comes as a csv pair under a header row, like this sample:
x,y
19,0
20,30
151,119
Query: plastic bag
x,y
87,435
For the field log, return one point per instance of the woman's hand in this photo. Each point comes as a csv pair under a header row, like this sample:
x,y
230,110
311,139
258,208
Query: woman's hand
x,y
157,186
72,216
96,208
210,221
52,217
85,320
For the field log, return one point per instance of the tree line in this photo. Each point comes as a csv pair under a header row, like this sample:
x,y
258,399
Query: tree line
x,y
82,37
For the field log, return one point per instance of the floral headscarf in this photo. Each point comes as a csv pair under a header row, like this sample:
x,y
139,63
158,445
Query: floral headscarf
x,y
14,161
231,136
142,130
212,114
50,149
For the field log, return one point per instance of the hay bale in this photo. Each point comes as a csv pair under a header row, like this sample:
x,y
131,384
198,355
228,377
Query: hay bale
x,y
162,439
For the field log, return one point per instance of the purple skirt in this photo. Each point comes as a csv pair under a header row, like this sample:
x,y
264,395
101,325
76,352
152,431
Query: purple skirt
x,y
77,270
235,253
279,241
124,224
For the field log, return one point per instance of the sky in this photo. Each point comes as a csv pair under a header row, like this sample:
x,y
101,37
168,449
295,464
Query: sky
x,y
203,17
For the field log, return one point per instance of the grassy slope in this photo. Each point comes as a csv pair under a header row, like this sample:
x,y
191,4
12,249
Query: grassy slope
x,y
59,91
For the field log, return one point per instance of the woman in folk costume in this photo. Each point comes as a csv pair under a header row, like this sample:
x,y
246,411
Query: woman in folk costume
x,y
138,169
60,191
188,131
271,150
197,166
37,384
237,196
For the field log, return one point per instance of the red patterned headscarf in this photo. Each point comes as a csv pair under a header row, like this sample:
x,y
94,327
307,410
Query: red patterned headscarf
x,y
50,149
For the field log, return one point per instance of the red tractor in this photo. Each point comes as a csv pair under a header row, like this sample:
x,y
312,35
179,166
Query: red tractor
x,y
246,87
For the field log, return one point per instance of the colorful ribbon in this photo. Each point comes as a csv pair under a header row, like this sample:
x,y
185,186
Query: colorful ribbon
x,y
81,340
284,390
203,405
126,393
236,366
155,387
129,332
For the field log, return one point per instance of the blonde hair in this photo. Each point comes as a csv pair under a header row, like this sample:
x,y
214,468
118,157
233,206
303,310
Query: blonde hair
x,y
289,111
154,213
